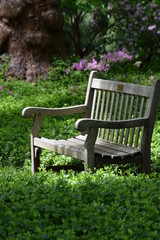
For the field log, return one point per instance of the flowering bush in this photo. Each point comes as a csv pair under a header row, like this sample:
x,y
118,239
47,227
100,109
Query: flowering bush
x,y
104,64
137,27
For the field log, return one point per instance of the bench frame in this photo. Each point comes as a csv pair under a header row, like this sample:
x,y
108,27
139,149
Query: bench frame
x,y
90,126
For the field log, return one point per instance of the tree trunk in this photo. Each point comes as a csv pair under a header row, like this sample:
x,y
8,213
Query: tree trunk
x,y
31,31
77,36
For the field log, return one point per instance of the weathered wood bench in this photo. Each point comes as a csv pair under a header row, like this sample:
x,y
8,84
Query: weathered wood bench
x,y
117,126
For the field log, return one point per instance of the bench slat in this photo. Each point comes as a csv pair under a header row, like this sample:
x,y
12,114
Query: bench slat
x,y
94,103
119,117
135,116
106,113
115,114
110,113
102,110
127,88
125,149
101,149
124,117
138,128
53,145
74,147
98,105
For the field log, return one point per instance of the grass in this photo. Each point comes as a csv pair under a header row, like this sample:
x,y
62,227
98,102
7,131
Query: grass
x,y
114,203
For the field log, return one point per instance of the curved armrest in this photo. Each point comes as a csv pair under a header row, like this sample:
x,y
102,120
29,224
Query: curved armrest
x,y
29,111
84,123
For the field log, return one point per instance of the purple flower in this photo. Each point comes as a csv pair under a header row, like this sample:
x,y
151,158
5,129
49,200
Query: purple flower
x,y
94,61
1,88
74,65
142,28
103,64
152,27
107,67
144,19
137,64
10,92
67,71
127,8
110,7
81,65
154,5
122,3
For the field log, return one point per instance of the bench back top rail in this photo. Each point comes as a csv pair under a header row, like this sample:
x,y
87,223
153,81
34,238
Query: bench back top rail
x,y
110,100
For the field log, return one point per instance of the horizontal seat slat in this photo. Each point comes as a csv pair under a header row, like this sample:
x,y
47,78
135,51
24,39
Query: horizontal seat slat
x,y
115,146
103,150
60,148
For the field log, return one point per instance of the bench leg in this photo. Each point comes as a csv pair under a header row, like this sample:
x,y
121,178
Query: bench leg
x,y
89,160
146,162
89,148
35,158
35,152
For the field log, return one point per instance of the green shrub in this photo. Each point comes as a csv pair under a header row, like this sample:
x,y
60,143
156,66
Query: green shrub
x,y
78,206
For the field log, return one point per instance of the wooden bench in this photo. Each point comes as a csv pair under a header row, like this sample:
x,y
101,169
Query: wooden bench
x,y
117,125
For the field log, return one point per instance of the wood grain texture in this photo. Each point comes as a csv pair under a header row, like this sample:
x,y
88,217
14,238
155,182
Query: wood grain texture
x,y
30,111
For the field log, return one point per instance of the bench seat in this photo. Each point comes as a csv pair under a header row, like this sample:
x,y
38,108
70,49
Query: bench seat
x,y
74,147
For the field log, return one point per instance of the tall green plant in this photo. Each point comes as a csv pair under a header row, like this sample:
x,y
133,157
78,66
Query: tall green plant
x,y
79,21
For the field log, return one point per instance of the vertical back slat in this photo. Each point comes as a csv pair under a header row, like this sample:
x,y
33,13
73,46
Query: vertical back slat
x,y
115,114
135,115
124,117
94,104
102,105
98,104
138,128
106,112
145,115
129,116
110,113
119,117
102,110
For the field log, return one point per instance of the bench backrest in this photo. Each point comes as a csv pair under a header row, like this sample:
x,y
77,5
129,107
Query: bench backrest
x,y
110,100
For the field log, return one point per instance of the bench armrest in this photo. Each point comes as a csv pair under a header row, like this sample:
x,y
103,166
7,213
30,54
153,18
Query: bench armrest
x,y
29,111
84,123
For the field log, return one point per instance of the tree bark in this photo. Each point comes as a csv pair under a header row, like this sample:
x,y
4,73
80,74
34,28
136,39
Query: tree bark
x,y
76,36
31,31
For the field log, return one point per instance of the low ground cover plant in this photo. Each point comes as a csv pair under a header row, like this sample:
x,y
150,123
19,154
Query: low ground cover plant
x,y
78,206
113,203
